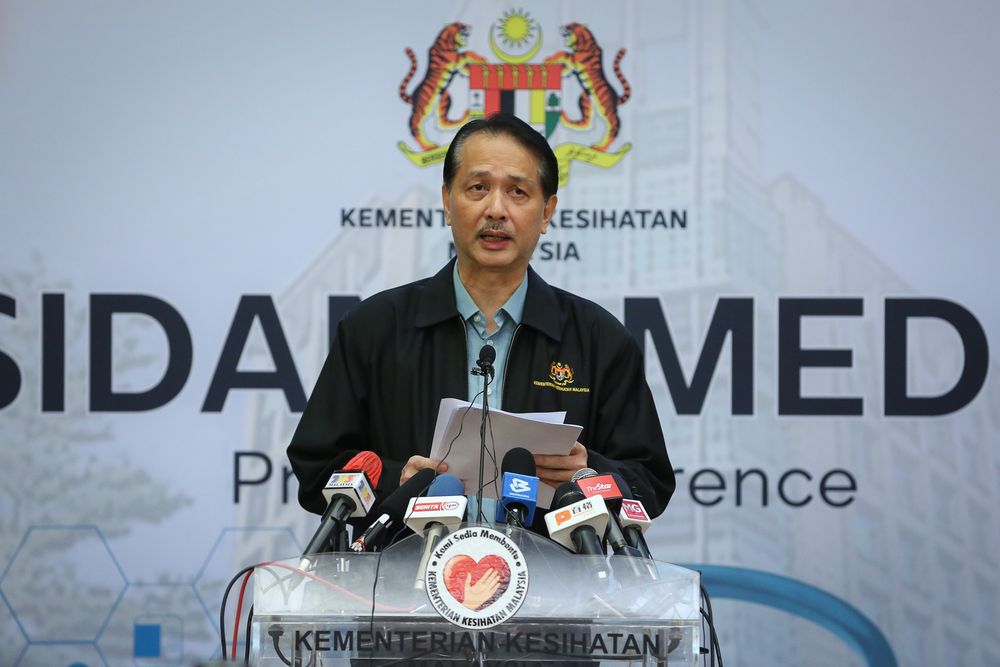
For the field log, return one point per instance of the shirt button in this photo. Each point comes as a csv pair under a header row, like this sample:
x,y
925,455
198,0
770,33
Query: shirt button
x,y
479,318
489,392
490,343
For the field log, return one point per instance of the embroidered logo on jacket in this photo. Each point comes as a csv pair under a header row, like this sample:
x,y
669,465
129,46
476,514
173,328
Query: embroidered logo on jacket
x,y
560,377
560,373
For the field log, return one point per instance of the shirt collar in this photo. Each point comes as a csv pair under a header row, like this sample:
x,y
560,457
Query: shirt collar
x,y
437,302
514,307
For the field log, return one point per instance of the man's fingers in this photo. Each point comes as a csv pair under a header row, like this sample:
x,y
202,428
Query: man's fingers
x,y
552,461
417,463
573,461
554,477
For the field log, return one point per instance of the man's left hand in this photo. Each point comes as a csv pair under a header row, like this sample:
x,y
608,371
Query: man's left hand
x,y
555,469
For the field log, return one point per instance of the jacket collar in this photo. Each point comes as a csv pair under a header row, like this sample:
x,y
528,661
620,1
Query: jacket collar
x,y
437,303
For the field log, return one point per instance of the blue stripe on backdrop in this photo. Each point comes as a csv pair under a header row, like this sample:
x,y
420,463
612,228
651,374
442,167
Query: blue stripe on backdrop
x,y
800,599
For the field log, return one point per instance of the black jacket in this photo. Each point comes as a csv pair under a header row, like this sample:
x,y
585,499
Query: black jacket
x,y
398,353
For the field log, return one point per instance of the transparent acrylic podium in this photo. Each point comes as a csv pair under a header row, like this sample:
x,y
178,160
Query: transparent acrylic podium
x,y
358,609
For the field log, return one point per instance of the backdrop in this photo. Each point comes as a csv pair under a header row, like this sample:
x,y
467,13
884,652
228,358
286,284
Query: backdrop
x,y
791,206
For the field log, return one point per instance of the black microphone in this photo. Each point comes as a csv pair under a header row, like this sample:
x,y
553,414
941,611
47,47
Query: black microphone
x,y
609,487
585,519
393,508
634,520
519,494
487,355
350,493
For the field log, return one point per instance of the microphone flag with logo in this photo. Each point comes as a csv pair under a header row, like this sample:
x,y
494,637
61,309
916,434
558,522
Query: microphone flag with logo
x,y
393,508
577,522
519,494
634,520
436,515
349,492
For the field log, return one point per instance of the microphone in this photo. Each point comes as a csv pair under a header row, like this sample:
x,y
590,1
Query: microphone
x,y
393,508
349,493
520,488
577,522
487,355
634,520
439,513
593,484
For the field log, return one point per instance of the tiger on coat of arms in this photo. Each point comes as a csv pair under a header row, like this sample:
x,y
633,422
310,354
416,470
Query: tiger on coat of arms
x,y
584,61
444,63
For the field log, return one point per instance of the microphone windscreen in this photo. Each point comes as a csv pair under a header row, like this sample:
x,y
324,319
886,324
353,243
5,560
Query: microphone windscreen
x,y
519,460
396,502
367,462
623,486
567,494
446,485
583,473
487,354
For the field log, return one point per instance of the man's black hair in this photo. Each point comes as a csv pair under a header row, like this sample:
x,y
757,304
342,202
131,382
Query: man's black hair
x,y
509,125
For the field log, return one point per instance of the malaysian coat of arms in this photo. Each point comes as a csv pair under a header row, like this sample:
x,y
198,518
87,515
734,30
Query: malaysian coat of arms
x,y
534,89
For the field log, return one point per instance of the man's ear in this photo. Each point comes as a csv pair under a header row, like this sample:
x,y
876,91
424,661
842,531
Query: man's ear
x,y
445,196
548,212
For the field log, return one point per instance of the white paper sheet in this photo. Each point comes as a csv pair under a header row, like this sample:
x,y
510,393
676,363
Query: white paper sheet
x,y
538,432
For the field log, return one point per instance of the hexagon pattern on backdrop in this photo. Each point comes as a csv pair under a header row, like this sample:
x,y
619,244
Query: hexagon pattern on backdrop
x,y
61,655
54,598
65,602
12,640
157,624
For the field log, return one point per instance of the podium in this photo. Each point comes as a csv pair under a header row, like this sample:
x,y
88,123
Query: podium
x,y
547,606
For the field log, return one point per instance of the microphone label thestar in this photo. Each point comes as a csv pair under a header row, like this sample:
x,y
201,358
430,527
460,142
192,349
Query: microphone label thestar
x,y
601,485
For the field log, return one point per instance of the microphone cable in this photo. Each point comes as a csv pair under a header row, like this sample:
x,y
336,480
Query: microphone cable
x,y
714,649
245,572
246,652
249,570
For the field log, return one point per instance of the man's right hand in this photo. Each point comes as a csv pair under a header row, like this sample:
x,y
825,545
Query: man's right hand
x,y
417,463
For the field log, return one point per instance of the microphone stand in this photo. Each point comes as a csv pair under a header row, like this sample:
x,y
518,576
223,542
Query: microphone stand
x,y
487,371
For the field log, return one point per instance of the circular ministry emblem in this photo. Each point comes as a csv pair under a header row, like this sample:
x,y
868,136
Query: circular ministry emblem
x,y
477,578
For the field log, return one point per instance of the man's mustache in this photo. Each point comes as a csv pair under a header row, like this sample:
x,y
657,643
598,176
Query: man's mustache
x,y
494,226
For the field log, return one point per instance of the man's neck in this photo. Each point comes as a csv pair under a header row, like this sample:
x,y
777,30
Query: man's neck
x,y
490,290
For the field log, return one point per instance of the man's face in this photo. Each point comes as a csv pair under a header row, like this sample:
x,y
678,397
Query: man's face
x,y
496,207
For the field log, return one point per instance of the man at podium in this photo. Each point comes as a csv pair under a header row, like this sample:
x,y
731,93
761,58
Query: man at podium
x,y
399,352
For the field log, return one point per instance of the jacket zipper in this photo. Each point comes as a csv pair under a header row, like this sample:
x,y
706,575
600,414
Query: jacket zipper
x,y
465,359
510,353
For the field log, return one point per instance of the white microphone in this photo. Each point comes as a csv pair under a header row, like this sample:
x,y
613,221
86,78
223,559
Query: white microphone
x,y
634,521
577,523
438,515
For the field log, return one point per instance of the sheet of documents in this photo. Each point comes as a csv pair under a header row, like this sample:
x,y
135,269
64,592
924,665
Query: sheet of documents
x,y
538,432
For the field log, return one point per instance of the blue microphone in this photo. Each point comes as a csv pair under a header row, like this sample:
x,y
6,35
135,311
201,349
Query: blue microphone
x,y
446,485
519,496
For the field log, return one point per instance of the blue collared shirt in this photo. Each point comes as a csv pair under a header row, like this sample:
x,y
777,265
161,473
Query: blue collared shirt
x,y
507,319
